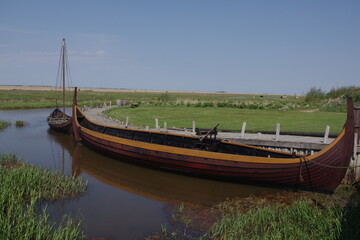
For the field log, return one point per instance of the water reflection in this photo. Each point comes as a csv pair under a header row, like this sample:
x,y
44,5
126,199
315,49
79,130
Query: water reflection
x,y
152,184
123,201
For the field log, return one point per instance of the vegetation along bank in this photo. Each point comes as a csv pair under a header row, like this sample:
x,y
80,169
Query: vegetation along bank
x,y
24,192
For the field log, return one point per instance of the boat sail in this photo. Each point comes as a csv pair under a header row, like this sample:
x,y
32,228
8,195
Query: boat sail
x,y
58,119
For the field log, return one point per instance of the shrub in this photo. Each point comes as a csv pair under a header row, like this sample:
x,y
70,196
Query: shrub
x,y
315,94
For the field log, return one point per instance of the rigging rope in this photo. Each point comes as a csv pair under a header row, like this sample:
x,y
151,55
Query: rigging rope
x,y
328,166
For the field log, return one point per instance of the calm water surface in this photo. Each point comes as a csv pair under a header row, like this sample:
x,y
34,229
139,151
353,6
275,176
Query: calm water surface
x,y
123,201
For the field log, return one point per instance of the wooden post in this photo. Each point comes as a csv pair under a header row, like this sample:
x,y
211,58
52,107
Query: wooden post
x,y
243,130
110,103
147,128
356,158
259,135
165,126
326,136
157,124
277,138
357,142
193,127
127,121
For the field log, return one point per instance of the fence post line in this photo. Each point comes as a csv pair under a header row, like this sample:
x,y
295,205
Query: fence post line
x,y
277,138
127,121
243,130
326,135
165,126
157,124
193,126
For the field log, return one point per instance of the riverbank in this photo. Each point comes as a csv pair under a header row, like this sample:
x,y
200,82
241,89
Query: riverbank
x,y
24,192
287,215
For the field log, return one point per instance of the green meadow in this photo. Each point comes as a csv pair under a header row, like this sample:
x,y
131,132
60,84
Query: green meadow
x,y
230,118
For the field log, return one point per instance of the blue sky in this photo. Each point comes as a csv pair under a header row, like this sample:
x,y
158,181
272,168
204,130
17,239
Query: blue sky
x,y
282,47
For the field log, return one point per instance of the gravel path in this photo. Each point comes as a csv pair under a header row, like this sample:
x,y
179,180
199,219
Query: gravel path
x,y
96,115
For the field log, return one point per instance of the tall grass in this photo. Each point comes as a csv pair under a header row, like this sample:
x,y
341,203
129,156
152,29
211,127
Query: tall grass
x,y
19,123
4,124
23,189
300,220
339,93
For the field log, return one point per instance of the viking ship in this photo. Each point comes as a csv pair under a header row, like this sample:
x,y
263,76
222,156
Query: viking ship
x,y
58,119
214,158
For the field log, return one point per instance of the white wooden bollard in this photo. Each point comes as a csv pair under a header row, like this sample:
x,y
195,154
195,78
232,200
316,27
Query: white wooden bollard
x,y
326,135
157,124
259,135
193,127
127,121
110,103
243,130
165,126
277,137
147,128
356,144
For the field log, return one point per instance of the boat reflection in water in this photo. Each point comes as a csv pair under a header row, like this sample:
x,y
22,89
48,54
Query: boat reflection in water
x,y
155,184
150,183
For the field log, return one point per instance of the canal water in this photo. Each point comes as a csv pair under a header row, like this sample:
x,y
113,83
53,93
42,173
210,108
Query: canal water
x,y
123,201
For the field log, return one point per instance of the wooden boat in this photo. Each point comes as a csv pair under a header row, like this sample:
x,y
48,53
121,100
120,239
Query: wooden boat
x,y
322,171
58,119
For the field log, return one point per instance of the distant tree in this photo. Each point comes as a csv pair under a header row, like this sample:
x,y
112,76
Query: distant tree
x,y
314,94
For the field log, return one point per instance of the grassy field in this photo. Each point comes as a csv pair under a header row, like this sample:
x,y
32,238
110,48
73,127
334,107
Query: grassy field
x,y
23,192
261,112
231,118
333,101
23,99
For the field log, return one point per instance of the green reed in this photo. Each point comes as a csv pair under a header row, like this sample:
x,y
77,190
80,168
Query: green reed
x,y
300,220
19,123
4,124
23,190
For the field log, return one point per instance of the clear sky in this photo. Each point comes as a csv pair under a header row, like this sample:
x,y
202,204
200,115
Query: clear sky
x,y
282,47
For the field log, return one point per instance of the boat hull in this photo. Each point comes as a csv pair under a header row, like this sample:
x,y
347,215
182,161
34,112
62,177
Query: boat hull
x,y
60,122
306,175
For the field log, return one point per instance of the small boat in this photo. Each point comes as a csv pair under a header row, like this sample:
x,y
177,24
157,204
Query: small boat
x,y
58,119
213,158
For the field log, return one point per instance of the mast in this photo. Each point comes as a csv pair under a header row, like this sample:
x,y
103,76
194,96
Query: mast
x,y
63,72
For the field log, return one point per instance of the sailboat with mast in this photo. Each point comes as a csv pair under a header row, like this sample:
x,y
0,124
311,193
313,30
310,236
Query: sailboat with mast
x,y
58,119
